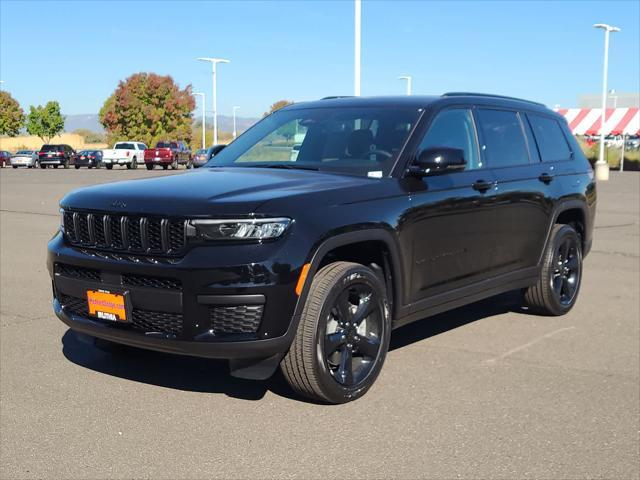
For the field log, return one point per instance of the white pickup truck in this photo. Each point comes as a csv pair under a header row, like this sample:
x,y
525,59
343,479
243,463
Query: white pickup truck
x,y
130,154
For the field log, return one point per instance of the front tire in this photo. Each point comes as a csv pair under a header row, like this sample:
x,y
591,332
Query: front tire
x,y
557,288
78,167
109,166
343,336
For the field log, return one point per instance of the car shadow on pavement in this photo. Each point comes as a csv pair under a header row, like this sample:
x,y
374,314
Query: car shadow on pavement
x,y
212,376
443,322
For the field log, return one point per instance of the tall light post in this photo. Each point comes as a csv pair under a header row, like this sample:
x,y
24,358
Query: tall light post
x,y
408,79
203,118
214,62
235,133
357,46
602,167
613,95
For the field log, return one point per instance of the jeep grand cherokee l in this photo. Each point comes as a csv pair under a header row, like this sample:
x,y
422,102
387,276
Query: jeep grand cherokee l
x,y
394,209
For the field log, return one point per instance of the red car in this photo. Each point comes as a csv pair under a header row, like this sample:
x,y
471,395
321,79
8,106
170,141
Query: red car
x,y
5,158
168,153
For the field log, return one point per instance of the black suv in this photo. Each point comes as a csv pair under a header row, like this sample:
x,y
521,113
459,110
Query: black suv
x,y
56,155
392,210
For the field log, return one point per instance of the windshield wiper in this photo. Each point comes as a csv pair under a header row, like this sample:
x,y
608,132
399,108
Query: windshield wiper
x,y
287,166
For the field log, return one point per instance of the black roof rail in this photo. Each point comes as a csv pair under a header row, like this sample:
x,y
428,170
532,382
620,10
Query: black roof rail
x,y
331,97
489,95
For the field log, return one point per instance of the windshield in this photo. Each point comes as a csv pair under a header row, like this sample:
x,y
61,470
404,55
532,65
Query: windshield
x,y
24,152
124,146
201,152
362,141
167,145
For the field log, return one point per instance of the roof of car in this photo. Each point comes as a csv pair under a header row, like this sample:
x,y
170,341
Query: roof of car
x,y
421,101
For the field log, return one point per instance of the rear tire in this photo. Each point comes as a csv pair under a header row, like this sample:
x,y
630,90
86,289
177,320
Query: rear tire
x,y
55,166
343,335
558,286
43,166
109,166
150,166
14,166
165,167
78,167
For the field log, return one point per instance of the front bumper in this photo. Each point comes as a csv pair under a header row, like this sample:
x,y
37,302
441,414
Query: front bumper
x,y
213,313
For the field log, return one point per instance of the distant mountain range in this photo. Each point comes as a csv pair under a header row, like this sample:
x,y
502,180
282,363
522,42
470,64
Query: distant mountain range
x,y
90,122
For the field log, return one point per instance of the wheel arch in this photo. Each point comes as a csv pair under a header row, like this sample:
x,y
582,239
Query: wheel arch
x,y
376,244
569,212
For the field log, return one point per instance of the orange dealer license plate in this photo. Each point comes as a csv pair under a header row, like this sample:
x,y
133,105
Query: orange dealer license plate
x,y
107,305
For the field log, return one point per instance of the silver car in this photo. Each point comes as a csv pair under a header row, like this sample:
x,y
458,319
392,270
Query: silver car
x,y
25,158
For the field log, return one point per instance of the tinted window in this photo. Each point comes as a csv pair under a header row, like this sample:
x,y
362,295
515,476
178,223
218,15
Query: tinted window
x,y
502,137
142,146
454,128
551,141
124,146
351,140
51,148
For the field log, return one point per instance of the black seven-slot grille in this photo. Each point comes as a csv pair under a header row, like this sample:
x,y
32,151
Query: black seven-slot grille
x,y
143,320
134,234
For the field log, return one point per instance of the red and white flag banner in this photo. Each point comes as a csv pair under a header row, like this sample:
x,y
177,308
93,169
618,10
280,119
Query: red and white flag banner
x,y
618,121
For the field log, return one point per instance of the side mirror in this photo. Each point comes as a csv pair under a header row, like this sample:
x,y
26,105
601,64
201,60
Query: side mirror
x,y
438,160
213,151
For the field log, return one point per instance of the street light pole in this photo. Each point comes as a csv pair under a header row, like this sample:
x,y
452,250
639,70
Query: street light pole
x,y
235,133
602,167
214,62
357,47
408,79
203,118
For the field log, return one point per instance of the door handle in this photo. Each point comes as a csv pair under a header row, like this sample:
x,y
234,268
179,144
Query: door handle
x,y
482,186
545,178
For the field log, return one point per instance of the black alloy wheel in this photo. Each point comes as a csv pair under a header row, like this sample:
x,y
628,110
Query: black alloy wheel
x,y
567,271
343,335
352,334
558,285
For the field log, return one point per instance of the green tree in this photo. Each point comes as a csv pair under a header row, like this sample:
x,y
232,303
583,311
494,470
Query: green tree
x,y
148,107
277,106
45,122
11,115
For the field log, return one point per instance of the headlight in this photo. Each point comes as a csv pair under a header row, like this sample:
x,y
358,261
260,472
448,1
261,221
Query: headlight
x,y
242,229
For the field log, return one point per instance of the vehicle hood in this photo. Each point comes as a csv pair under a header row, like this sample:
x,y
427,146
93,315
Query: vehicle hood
x,y
222,191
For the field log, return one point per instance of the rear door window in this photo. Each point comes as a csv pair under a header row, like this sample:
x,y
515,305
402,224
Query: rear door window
x,y
551,141
503,141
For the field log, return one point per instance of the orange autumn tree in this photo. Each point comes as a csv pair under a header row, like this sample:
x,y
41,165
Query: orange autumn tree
x,y
148,107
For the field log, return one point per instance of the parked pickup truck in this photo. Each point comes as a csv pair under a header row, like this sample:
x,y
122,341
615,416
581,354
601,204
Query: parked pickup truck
x,y
124,153
168,153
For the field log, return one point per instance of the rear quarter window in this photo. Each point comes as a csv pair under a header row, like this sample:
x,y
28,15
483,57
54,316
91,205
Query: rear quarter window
x,y
552,143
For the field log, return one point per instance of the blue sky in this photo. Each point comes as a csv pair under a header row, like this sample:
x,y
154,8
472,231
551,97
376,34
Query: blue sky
x,y
76,52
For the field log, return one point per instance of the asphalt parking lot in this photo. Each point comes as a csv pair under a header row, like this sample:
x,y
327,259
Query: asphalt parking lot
x,y
486,391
